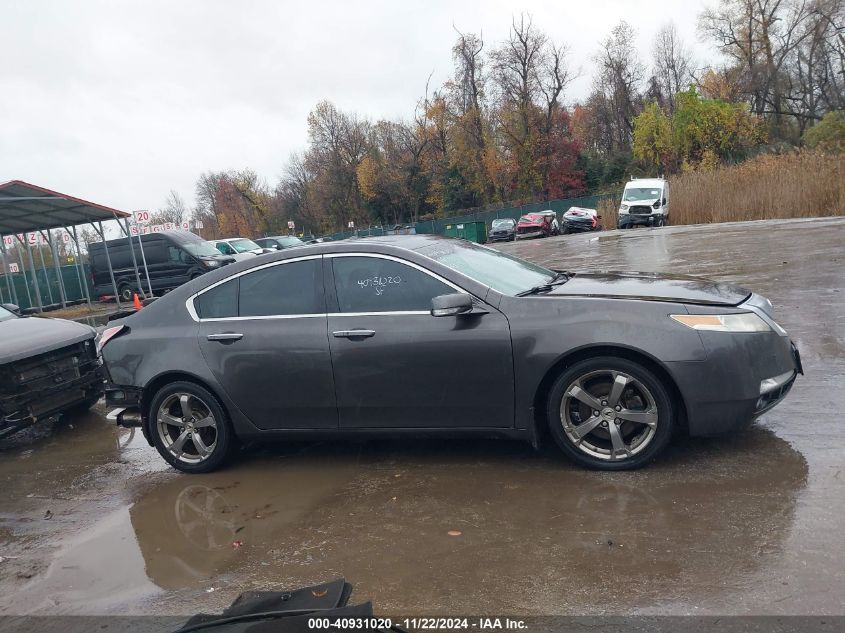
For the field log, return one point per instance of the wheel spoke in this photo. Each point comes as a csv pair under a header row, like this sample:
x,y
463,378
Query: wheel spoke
x,y
619,383
649,418
585,427
617,442
209,421
186,406
579,394
201,447
172,420
179,443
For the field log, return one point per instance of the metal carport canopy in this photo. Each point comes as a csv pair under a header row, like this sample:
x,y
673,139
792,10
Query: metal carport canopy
x,y
26,208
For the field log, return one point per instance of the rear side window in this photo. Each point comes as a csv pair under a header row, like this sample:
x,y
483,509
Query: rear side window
x,y
294,288
373,284
219,302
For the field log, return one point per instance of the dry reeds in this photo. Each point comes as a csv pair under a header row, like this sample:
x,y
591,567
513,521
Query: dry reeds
x,y
793,185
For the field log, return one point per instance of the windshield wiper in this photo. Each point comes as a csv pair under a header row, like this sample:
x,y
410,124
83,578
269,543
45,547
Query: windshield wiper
x,y
559,279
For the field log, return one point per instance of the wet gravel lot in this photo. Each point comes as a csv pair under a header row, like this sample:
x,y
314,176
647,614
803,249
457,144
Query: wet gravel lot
x,y
92,521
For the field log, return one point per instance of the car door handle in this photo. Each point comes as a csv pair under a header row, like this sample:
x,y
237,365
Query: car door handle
x,y
225,336
354,333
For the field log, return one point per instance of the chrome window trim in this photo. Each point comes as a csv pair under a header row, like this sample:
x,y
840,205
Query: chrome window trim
x,y
189,302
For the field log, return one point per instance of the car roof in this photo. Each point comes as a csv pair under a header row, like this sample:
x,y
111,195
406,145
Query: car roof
x,y
645,182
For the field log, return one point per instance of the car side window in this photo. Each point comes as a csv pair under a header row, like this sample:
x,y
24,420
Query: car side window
x,y
373,284
218,303
286,289
177,254
224,248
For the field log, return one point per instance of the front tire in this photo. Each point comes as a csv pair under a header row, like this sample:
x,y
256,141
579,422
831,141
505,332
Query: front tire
x,y
609,413
126,292
189,428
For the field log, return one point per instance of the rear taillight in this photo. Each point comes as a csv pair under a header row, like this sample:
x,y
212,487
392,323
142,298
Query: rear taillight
x,y
108,334
594,223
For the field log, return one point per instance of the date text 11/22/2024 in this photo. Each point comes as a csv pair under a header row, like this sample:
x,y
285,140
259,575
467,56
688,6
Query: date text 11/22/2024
x,y
419,624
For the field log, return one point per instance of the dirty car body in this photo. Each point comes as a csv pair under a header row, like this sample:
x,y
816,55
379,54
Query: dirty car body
x,y
539,224
579,220
47,366
427,335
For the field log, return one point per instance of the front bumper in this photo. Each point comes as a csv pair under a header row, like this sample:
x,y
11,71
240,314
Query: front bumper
x,y
529,234
743,376
577,227
638,219
500,237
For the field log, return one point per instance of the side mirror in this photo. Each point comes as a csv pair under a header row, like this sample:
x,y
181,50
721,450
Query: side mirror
x,y
11,307
664,202
451,305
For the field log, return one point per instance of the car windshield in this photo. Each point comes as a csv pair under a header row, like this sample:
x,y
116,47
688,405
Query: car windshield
x,y
200,248
502,223
288,240
502,272
243,245
635,194
5,314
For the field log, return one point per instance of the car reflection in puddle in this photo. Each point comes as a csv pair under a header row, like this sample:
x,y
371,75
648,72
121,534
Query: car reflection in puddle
x,y
707,518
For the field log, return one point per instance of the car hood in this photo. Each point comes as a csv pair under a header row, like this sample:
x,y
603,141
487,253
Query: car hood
x,y
651,287
641,203
30,336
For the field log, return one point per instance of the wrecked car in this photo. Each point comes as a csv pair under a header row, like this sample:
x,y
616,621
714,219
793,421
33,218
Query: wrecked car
x,y
47,367
579,220
537,224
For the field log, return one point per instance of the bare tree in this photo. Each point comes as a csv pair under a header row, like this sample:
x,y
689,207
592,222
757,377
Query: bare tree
x,y
618,81
174,210
761,36
673,65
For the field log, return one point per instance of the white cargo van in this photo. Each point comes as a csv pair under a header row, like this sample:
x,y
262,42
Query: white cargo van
x,y
645,201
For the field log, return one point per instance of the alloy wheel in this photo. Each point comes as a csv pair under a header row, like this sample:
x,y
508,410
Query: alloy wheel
x,y
187,427
609,415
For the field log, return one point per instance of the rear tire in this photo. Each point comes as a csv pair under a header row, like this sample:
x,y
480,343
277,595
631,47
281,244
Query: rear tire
x,y
610,413
126,292
189,428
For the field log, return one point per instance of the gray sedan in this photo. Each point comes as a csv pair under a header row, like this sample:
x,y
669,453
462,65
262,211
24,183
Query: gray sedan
x,y
425,335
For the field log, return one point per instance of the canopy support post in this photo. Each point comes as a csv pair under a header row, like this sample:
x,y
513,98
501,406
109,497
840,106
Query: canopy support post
x,y
102,235
80,268
125,229
13,293
56,267
32,272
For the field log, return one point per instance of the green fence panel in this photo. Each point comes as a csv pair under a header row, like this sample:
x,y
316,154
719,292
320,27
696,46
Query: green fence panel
x,y
438,226
26,301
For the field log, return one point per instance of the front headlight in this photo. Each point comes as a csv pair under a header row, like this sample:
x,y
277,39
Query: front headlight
x,y
623,208
742,322
211,263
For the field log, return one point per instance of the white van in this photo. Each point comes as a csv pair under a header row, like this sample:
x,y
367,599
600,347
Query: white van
x,y
645,201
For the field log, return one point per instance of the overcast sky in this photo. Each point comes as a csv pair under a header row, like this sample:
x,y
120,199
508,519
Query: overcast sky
x,y
118,102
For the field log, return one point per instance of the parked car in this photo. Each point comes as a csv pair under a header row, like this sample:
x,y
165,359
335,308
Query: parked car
x,y
578,220
537,224
173,257
645,202
279,242
502,230
47,367
239,247
433,335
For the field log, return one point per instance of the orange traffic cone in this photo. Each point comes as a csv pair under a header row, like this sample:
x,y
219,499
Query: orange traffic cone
x,y
136,301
